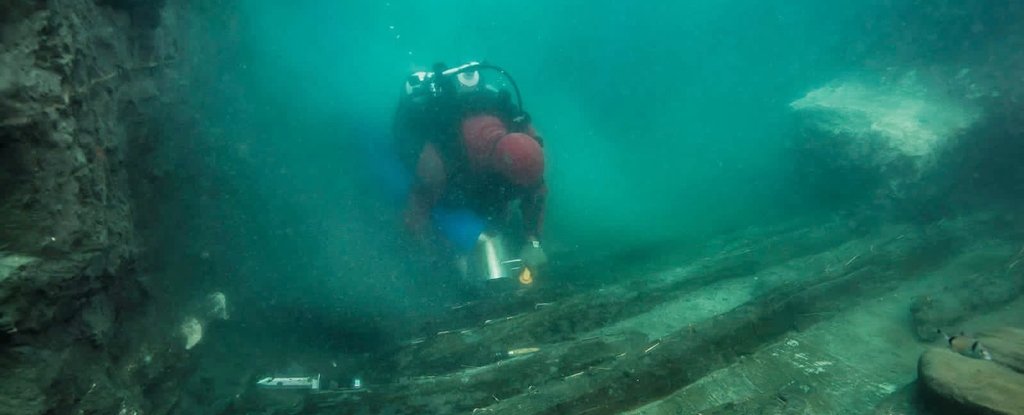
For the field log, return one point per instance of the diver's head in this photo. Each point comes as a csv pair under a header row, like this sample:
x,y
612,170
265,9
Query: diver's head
x,y
517,157
520,159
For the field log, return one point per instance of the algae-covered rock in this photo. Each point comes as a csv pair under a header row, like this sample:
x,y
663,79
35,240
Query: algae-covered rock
x,y
991,282
882,134
881,124
964,385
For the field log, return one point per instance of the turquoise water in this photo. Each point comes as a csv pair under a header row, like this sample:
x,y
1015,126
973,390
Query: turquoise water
x,y
666,124
663,121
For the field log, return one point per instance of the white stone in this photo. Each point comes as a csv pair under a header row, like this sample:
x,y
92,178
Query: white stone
x,y
192,329
218,306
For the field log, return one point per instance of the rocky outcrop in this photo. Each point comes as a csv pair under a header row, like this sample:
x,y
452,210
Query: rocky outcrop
x,y
995,277
73,77
883,125
962,385
888,139
896,129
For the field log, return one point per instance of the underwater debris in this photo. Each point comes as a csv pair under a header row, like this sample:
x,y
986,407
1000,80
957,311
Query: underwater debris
x,y
308,382
495,320
192,330
218,306
523,351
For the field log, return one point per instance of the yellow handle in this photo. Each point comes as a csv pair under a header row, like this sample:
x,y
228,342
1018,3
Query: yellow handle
x,y
526,277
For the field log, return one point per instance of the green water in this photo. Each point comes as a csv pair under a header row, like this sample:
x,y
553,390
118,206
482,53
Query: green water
x,y
662,121
666,123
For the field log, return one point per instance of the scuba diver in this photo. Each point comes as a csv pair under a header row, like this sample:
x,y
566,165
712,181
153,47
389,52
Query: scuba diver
x,y
474,153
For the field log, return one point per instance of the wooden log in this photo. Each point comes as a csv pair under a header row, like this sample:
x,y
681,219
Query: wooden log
x,y
689,354
624,373
583,313
479,387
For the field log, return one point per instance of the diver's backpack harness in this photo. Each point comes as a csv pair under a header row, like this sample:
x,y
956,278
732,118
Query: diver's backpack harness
x,y
437,91
432,107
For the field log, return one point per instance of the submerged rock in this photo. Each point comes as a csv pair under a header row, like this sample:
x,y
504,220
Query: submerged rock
x,y
1006,345
880,123
964,385
991,283
892,131
74,92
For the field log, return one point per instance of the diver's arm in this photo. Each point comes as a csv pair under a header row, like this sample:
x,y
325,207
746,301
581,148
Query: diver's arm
x,y
429,183
533,207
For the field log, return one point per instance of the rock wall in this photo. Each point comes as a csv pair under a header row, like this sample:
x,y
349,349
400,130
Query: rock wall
x,y
76,78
